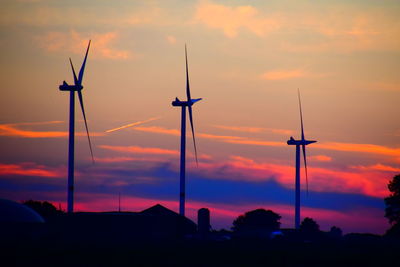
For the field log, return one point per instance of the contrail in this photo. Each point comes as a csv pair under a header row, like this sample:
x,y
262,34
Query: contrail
x,y
132,124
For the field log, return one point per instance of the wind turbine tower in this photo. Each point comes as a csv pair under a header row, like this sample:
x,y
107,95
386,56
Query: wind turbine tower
x,y
303,143
183,104
76,87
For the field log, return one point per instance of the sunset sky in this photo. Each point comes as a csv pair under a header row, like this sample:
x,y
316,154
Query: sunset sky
x,y
247,60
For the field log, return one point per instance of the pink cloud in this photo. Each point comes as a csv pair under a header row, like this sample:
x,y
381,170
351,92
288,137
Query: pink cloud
x,y
377,167
366,182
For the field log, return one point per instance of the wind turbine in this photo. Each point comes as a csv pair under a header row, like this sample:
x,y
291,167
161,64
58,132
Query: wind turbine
x,y
183,104
303,142
77,87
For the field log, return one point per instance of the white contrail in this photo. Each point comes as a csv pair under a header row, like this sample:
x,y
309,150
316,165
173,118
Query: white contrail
x,y
132,124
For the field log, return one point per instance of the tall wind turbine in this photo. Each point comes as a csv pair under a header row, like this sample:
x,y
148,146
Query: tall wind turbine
x,y
77,87
183,104
303,142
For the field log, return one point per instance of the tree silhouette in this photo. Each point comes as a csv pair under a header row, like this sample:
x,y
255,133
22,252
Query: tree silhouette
x,y
259,219
308,225
336,231
45,209
392,202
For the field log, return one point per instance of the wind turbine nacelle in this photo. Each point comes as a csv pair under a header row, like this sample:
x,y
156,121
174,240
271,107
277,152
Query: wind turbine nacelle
x,y
178,103
66,87
291,141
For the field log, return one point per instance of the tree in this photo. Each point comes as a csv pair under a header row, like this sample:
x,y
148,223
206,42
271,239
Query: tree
x,y
259,219
392,202
309,225
335,232
45,209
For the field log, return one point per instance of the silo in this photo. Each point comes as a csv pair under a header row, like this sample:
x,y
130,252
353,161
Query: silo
x,y
203,222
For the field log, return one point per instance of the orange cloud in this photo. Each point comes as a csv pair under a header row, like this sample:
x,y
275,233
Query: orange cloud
x,y
282,75
364,148
231,19
13,130
131,124
320,158
27,169
77,43
141,150
171,39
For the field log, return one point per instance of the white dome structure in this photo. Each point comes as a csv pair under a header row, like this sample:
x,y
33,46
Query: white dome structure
x,y
14,212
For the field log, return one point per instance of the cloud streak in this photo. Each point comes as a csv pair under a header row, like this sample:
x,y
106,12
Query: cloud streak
x,y
132,124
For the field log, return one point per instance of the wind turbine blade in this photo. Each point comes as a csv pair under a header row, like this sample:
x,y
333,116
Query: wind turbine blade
x,y
305,165
83,64
194,139
73,70
84,118
189,99
301,116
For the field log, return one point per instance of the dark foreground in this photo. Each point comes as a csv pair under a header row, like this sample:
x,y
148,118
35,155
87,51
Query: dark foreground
x,y
201,253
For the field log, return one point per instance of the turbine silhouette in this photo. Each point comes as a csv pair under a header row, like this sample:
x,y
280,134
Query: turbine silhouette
x,y
72,88
303,142
183,104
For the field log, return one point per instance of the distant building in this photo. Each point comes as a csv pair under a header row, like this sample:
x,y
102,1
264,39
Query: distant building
x,y
156,222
